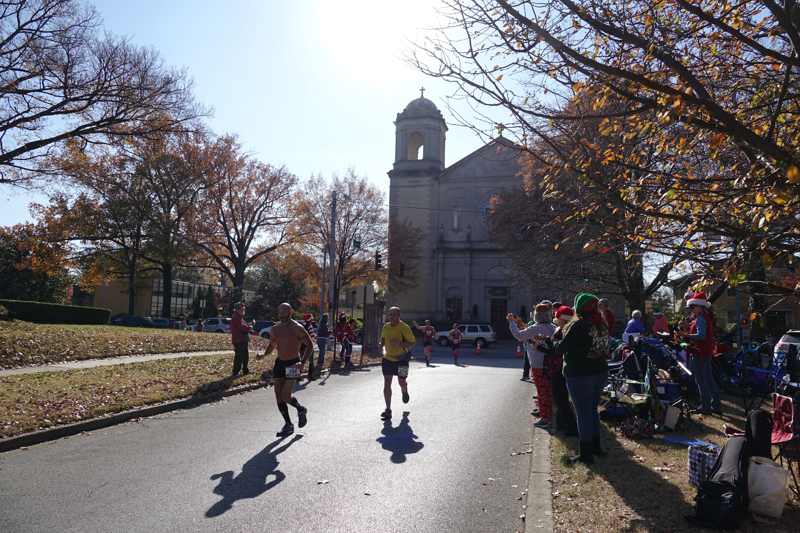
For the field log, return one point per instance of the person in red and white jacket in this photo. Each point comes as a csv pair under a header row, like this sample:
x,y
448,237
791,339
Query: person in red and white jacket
x,y
701,335
345,334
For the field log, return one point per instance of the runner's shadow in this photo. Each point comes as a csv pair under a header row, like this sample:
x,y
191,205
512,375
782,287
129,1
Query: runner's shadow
x,y
400,440
252,481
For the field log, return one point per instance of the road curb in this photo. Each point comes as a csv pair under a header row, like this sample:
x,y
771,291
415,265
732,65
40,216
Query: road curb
x,y
539,509
75,428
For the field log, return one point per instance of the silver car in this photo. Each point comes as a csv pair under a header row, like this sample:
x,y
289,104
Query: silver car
x,y
217,325
478,334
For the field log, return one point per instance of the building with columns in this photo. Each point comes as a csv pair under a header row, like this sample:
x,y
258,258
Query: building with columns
x,y
461,276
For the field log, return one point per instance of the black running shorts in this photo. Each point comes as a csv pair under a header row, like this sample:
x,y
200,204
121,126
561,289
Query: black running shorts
x,y
454,345
392,368
280,367
425,344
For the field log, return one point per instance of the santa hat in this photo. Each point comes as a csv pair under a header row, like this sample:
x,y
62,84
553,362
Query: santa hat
x,y
698,299
307,317
656,311
688,295
342,315
565,312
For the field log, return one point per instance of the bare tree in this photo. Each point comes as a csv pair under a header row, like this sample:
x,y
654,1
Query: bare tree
x,y
62,78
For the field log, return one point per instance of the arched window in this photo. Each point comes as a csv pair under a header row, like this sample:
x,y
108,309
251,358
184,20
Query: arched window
x,y
415,142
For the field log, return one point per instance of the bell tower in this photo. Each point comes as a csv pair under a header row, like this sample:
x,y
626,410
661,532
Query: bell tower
x,y
414,198
419,137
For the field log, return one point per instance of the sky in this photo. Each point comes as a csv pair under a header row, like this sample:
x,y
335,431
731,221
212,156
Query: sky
x,y
311,85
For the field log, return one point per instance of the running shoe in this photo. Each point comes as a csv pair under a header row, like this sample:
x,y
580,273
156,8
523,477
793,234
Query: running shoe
x,y
405,396
542,423
301,416
287,430
386,415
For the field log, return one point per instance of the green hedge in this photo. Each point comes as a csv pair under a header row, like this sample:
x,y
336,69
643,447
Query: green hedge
x,y
44,313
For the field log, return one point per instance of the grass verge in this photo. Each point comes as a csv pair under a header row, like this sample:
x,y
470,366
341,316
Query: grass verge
x,y
643,485
26,344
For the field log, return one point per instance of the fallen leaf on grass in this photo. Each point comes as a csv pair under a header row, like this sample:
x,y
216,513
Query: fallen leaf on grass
x,y
556,494
638,458
662,469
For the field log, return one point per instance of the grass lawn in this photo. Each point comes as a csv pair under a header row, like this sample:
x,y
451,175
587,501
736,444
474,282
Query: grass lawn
x,y
35,401
26,344
643,485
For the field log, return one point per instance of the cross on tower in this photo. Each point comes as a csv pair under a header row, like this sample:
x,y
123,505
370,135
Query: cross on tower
x,y
422,92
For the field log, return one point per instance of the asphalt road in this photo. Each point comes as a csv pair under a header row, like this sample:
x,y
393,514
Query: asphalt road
x,y
443,463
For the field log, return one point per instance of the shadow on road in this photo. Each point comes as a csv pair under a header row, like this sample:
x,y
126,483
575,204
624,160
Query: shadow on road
x,y
252,481
400,440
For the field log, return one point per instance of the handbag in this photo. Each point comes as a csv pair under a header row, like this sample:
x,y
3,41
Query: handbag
x,y
702,458
768,487
405,356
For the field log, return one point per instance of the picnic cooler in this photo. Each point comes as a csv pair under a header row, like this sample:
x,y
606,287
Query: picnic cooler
x,y
702,458
668,390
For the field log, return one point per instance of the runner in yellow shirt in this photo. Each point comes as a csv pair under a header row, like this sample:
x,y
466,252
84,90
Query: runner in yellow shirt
x,y
397,339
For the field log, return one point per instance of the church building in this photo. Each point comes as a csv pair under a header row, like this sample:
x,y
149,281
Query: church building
x,y
461,276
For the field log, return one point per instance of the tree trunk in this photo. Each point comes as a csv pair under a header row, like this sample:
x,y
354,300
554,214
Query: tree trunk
x,y
131,285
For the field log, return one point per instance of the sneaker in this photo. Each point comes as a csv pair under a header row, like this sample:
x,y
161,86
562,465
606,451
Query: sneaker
x,y
405,396
535,412
301,417
386,415
542,423
287,430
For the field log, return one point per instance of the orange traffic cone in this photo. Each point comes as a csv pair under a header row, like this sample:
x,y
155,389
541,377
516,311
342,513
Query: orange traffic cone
x,y
519,352
478,351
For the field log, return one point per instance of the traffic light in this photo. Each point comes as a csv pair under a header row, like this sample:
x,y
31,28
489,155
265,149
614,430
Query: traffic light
x,y
377,260
402,269
744,321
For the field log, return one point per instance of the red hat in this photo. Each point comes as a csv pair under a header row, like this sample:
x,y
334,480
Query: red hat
x,y
565,312
698,299
342,315
307,317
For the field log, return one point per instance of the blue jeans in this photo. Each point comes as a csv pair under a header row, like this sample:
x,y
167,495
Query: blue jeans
x,y
704,376
585,392
322,343
347,348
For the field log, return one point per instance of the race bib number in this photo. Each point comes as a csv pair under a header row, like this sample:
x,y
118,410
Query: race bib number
x,y
402,372
292,372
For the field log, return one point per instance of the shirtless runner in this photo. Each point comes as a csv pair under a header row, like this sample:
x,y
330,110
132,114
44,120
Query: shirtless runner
x,y
286,336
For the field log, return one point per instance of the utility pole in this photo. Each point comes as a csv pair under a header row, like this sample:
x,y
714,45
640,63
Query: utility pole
x,y
332,253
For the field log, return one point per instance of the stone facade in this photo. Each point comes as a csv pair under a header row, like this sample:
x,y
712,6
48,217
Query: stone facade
x,y
461,276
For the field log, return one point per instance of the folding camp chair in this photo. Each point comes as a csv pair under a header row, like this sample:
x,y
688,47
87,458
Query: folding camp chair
x,y
786,434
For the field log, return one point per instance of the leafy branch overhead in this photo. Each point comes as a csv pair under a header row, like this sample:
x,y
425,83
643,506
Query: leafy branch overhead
x,y
681,118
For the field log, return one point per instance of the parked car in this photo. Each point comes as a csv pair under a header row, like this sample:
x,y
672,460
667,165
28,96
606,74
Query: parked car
x,y
190,325
132,321
359,334
478,334
264,332
166,323
217,325
261,324
790,337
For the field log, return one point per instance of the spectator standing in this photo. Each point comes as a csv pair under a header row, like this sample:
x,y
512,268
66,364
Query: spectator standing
x,y
701,335
183,323
586,371
322,338
660,324
542,325
565,417
240,336
608,315
198,327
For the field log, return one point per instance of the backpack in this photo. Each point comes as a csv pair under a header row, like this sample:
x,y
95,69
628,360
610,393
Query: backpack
x,y
600,340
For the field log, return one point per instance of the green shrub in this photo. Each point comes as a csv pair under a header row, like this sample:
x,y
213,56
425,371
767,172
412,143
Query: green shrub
x,y
45,313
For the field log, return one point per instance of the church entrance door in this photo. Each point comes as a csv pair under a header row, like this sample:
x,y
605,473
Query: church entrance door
x,y
454,310
498,309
